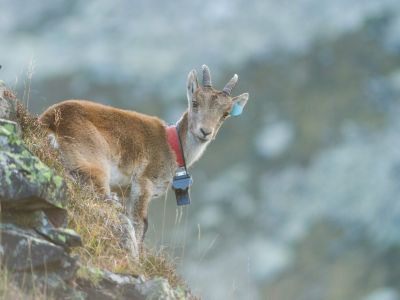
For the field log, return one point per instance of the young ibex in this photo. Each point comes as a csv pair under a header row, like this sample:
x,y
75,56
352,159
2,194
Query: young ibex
x,y
120,148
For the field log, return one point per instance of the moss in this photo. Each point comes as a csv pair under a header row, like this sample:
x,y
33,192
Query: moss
x,y
58,181
61,237
4,131
64,237
94,275
9,126
180,293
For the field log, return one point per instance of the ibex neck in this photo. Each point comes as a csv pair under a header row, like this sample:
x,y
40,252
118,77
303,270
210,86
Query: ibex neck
x,y
192,147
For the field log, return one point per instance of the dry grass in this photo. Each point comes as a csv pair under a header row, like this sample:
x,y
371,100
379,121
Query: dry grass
x,y
9,289
96,221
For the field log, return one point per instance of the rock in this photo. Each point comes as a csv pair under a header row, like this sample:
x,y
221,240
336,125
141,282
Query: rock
x,y
10,126
38,221
33,201
37,263
25,219
100,284
159,288
27,251
64,237
25,182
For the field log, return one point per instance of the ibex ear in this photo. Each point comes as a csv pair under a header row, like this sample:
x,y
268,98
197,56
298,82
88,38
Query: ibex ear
x,y
192,84
238,104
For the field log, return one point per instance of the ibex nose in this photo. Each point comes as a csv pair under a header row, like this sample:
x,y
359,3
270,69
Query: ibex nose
x,y
205,132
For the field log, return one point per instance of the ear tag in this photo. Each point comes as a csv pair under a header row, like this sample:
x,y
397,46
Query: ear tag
x,y
236,110
181,184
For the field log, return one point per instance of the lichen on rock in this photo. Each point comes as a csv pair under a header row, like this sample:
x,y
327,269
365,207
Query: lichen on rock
x,y
25,182
33,204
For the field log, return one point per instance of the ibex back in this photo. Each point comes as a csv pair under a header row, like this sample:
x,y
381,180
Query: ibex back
x,y
120,148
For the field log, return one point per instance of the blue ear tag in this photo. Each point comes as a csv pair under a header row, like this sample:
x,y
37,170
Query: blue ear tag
x,y
236,110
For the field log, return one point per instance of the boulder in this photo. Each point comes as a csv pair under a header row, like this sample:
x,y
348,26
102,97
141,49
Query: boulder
x,y
64,237
25,182
33,203
159,288
27,251
101,284
38,221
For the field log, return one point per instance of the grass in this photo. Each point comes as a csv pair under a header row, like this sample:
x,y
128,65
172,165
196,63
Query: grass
x,y
9,289
96,221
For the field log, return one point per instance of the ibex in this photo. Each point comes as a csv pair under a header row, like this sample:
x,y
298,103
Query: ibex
x,y
120,148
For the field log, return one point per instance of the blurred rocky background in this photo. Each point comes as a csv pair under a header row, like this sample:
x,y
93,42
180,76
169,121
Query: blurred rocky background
x,y
298,198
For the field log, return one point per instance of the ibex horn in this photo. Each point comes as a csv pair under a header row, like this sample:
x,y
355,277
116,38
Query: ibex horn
x,y
206,76
230,85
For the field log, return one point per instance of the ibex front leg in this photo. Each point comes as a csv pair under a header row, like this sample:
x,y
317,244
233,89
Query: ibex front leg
x,y
137,207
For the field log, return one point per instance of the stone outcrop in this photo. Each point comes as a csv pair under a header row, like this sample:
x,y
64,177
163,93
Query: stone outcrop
x,y
34,241
102,284
35,245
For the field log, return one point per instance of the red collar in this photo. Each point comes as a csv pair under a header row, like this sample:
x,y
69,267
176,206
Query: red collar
x,y
174,143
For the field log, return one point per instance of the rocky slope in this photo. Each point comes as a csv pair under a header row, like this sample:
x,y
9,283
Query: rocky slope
x,y
318,140
35,244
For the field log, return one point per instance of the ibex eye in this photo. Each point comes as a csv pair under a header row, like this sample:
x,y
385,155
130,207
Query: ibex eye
x,y
225,115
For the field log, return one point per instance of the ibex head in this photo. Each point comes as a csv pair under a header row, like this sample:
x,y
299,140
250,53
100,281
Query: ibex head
x,y
208,107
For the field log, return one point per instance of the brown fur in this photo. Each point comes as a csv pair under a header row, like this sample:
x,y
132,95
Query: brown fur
x,y
91,135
